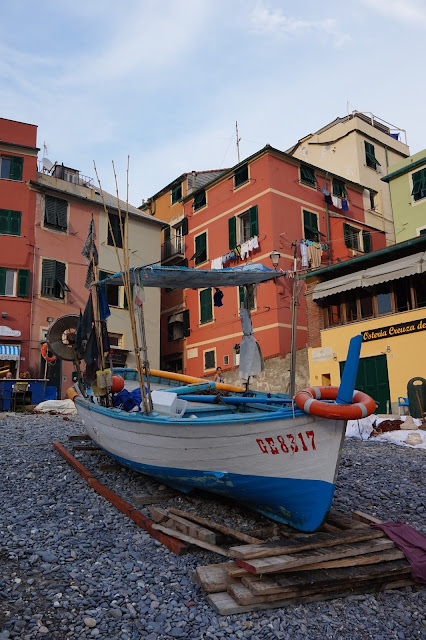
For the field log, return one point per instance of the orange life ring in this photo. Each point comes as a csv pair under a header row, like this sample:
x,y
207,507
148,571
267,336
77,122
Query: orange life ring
x,y
309,400
44,353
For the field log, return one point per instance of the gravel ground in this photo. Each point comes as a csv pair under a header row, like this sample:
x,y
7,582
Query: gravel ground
x,y
75,567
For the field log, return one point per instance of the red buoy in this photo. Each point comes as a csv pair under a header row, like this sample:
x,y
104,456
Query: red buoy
x,y
117,384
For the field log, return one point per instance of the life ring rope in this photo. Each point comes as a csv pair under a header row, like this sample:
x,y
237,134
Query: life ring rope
x,y
312,400
44,349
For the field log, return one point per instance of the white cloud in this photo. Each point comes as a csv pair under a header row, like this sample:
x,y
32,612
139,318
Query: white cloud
x,y
273,21
409,11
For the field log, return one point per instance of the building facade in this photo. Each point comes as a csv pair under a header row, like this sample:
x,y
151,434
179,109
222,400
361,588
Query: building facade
x,y
18,165
64,205
407,184
269,202
382,296
359,147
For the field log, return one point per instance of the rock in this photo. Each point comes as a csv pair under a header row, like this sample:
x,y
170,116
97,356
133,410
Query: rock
x,y
89,622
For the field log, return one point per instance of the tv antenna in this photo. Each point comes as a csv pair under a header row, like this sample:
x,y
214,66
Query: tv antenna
x,y
46,163
238,140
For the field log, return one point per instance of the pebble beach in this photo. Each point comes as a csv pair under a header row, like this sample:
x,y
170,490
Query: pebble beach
x,y
75,567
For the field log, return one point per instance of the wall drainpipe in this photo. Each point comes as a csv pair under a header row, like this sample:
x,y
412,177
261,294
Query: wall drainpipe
x,y
327,218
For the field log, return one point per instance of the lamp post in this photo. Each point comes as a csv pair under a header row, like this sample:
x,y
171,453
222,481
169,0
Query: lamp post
x,y
275,258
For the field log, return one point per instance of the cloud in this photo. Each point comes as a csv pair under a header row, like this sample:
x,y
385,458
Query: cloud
x,y
273,21
409,11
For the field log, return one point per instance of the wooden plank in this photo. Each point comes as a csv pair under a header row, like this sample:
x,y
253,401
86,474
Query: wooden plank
x,y
238,535
96,452
238,572
183,525
279,563
190,540
214,578
85,447
344,522
142,499
329,528
110,466
297,544
224,605
369,558
322,577
360,516
79,436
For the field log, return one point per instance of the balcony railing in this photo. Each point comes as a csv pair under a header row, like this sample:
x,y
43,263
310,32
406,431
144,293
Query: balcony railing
x,y
173,249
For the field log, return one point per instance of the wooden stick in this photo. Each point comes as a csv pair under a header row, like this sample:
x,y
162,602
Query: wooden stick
x,y
216,526
194,541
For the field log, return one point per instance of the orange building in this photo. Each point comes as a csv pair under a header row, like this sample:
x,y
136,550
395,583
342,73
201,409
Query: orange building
x,y
18,165
268,202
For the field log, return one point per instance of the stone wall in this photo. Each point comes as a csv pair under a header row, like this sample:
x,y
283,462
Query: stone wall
x,y
276,377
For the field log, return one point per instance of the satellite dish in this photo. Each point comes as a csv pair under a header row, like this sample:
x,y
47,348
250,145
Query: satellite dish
x,y
47,164
61,336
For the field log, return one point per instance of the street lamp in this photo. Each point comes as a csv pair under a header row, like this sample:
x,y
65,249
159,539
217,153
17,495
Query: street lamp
x,y
275,258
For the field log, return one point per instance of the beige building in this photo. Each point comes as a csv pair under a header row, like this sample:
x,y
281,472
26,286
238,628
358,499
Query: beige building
x,y
361,148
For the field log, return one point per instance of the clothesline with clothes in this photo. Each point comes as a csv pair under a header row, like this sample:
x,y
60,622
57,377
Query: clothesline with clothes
x,y
311,253
240,252
339,202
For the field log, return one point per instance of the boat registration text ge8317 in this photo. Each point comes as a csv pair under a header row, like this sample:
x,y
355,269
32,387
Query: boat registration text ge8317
x,y
288,444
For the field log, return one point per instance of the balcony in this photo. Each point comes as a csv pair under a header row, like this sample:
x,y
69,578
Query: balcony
x,y
173,251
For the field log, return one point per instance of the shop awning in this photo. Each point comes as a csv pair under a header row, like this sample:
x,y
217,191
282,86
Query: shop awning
x,y
10,351
344,283
393,270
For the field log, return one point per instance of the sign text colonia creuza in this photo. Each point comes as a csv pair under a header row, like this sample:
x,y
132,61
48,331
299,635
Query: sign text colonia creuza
x,y
394,330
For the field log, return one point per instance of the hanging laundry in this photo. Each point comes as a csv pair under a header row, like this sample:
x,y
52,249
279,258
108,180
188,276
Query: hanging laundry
x,y
304,254
245,250
217,298
336,202
328,199
216,263
104,311
238,251
253,243
314,255
345,206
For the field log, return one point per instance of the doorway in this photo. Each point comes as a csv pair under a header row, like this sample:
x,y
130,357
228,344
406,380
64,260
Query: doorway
x,y
372,378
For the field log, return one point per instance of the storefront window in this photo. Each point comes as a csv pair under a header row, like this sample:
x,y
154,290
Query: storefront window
x,y
402,295
384,299
366,304
334,315
351,310
419,283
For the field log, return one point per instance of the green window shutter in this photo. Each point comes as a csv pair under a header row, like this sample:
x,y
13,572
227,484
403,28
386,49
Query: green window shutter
x,y
23,283
48,276
2,281
307,175
254,226
16,166
201,248
116,230
206,306
241,296
347,234
339,189
50,211
61,213
370,158
15,223
232,232
199,200
241,175
61,285
167,234
310,226
209,360
419,185
186,325
177,193
366,241
185,227
4,221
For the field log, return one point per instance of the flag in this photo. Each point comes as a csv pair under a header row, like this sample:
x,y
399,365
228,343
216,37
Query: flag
x,y
90,254
85,324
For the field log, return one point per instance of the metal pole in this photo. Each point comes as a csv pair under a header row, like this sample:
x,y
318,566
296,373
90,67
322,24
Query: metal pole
x,y
292,387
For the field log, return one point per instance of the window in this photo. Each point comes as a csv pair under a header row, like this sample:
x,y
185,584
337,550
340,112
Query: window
x,y
402,296
242,297
53,283
384,299
10,222
241,175
112,293
115,339
352,237
339,188
366,241
307,176
209,359
117,230
55,213
422,232
372,200
419,185
206,306
11,167
366,304
178,325
200,254
334,314
199,200
351,310
243,227
310,226
370,159
419,288
225,360
177,193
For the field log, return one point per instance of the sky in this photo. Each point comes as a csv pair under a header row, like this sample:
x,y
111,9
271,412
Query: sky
x,y
164,81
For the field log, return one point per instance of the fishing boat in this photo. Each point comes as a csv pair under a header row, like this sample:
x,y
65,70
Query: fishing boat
x,y
275,454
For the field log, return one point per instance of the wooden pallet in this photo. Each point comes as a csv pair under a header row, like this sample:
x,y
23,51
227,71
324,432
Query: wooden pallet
x,y
345,557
